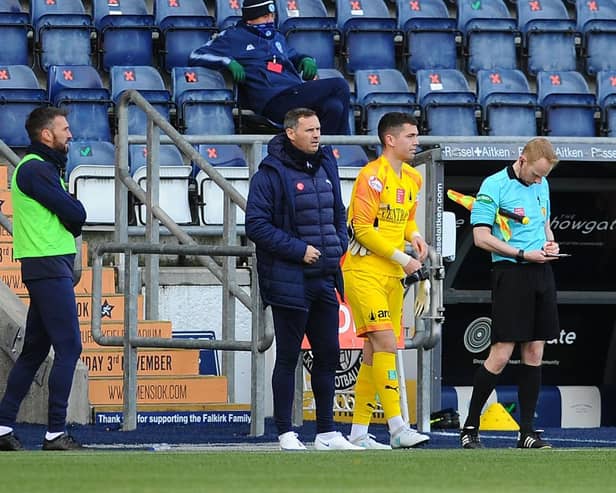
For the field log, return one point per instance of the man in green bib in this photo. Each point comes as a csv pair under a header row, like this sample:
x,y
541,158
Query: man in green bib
x,y
46,220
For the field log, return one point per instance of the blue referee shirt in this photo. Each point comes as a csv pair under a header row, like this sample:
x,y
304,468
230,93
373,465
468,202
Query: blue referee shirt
x,y
503,190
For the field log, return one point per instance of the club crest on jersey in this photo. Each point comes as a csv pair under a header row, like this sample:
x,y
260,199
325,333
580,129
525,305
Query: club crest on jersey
x,y
375,184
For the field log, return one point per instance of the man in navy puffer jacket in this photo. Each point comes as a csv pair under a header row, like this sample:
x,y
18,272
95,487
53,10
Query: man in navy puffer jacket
x,y
296,218
267,70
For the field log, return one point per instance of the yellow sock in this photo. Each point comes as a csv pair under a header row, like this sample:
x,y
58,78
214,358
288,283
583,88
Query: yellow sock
x,y
385,379
365,393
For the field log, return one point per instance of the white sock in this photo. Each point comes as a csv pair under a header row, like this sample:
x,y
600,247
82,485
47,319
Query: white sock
x,y
5,430
395,423
327,435
358,431
52,436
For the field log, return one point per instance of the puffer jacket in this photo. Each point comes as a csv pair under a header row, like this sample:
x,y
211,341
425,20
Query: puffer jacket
x,y
253,50
288,209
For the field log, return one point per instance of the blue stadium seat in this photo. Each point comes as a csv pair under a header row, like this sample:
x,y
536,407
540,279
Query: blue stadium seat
x,y
489,34
228,12
548,35
447,102
20,93
229,163
606,98
184,25
79,89
125,32
90,171
568,104
228,155
204,104
426,24
308,29
596,21
62,32
328,73
507,102
14,29
381,91
368,33
148,81
174,180
350,155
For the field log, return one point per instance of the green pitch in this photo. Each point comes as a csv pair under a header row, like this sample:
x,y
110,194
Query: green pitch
x,y
495,471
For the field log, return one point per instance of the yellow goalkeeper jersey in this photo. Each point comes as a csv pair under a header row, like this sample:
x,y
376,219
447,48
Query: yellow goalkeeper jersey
x,y
382,212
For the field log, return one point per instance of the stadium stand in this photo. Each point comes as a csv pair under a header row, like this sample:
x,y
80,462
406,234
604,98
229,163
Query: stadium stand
x,y
489,34
308,29
211,196
350,155
380,91
228,12
596,21
548,35
508,105
426,24
568,104
62,32
90,171
20,93
150,84
80,90
183,26
606,98
14,29
448,105
325,73
367,34
224,155
124,33
174,181
203,102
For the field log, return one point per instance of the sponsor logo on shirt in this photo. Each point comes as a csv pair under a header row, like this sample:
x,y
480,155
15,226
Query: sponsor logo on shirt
x,y
375,184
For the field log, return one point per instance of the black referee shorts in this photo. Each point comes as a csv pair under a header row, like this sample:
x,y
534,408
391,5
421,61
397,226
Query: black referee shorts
x,y
523,302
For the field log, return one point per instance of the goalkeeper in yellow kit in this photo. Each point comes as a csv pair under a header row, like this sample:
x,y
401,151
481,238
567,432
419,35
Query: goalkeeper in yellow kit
x,y
381,218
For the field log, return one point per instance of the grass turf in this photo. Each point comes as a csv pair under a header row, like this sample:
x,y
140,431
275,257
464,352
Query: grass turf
x,y
495,470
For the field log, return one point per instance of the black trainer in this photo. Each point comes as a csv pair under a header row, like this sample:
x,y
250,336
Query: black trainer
x,y
10,442
532,439
63,442
469,437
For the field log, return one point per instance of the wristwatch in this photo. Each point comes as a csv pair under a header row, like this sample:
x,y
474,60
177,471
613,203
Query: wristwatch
x,y
519,257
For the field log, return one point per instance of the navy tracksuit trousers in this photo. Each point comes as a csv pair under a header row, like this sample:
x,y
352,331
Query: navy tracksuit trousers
x,y
320,325
52,321
328,97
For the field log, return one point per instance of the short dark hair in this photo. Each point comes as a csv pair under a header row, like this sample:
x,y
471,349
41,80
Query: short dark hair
x,y
291,119
394,119
41,118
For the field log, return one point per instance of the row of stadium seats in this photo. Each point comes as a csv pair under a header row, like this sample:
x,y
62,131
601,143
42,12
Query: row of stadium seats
x,y
121,32
201,103
90,176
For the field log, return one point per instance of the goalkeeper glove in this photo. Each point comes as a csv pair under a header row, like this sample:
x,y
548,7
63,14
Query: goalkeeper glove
x,y
422,297
308,68
237,71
